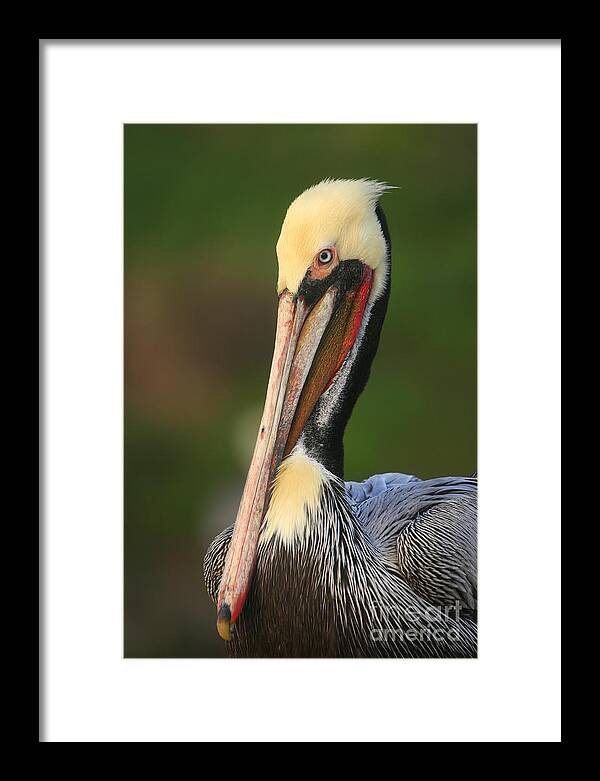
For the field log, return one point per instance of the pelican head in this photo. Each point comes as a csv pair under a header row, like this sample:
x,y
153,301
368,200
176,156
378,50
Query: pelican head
x,y
333,254
337,215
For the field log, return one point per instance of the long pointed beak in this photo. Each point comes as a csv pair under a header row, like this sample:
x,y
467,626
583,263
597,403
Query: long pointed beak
x,y
299,332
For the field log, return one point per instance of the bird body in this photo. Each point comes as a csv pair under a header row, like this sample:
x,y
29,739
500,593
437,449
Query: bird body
x,y
315,566
355,579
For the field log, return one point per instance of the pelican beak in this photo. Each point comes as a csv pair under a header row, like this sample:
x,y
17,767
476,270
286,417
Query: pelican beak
x,y
311,343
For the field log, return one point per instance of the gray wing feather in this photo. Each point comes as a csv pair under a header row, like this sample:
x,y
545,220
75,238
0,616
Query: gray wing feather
x,y
437,553
428,529
376,484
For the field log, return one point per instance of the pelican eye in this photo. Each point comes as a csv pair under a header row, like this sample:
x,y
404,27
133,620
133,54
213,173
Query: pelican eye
x,y
325,256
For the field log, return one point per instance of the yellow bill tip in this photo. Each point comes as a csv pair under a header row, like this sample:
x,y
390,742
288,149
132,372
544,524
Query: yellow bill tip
x,y
224,622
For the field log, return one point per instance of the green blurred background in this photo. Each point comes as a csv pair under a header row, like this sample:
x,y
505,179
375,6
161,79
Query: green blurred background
x,y
203,209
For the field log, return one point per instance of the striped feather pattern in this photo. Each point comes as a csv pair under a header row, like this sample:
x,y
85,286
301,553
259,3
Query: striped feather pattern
x,y
391,576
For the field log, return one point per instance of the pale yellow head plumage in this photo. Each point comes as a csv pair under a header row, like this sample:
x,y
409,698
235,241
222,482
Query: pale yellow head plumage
x,y
336,213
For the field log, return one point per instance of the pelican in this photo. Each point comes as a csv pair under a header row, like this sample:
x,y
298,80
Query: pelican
x,y
315,566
